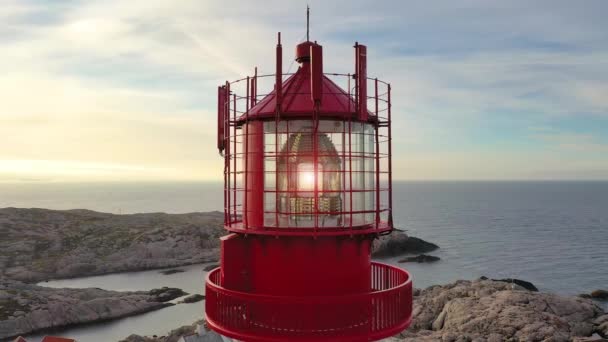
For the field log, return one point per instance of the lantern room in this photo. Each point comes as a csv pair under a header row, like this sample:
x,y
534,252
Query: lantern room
x,y
308,187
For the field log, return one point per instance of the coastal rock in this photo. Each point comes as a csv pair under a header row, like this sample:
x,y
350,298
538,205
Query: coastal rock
x,y
398,243
166,294
171,271
486,310
174,335
595,338
421,258
525,284
41,244
193,298
599,294
46,308
601,325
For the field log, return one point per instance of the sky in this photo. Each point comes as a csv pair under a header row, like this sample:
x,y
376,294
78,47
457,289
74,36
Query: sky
x,y
126,90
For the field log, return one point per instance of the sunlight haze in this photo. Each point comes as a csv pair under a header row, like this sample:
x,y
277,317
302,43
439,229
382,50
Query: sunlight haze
x,y
126,90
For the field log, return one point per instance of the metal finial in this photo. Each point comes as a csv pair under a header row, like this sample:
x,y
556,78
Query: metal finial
x,y
307,23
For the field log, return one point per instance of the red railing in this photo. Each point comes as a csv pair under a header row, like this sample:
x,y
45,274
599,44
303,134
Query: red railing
x,y
380,313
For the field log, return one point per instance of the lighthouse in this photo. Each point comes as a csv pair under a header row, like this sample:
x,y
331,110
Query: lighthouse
x,y
307,189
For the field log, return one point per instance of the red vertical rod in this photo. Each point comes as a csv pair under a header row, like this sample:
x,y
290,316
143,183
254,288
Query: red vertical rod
x,y
227,160
245,141
234,156
390,161
255,174
227,171
362,81
350,168
244,153
315,158
254,91
226,107
356,77
350,154
376,96
279,74
221,121
279,97
343,205
377,156
276,169
316,81
287,191
248,96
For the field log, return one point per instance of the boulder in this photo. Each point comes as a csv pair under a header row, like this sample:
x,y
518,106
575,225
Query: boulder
x,y
421,258
399,243
525,284
193,298
599,294
166,294
171,271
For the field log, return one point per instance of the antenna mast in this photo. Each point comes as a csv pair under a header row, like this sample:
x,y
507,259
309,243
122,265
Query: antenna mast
x,y
307,23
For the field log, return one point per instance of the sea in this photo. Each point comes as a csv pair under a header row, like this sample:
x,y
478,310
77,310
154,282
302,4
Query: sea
x,y
551,233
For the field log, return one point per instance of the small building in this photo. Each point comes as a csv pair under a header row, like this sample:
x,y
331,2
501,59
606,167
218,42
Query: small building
x,y
20,339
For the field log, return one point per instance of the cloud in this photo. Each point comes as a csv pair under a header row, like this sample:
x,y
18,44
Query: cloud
x,y
133,83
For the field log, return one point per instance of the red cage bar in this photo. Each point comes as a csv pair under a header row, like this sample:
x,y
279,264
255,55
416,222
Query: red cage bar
x,y
308,187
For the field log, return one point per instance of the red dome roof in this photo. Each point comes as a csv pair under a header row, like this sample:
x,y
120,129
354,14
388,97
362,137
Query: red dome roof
x,y
296,99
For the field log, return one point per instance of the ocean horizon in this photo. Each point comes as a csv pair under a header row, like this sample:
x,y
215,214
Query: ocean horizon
x,y
540,231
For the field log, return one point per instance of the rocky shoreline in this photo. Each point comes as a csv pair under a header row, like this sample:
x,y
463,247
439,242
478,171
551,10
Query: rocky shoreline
x,y
27,308
42,244
485,310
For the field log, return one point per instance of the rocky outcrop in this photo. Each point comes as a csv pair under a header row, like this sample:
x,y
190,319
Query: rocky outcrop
x,y
26,308
601,325
41,244
599,294
193,298
486,310
525,284
398,243
421,258
166,294
171,271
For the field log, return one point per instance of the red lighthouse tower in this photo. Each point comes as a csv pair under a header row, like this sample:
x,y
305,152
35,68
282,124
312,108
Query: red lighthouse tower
x,y
308,187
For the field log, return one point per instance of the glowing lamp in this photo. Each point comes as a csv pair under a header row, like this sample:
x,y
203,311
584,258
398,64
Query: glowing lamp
x,y
307,173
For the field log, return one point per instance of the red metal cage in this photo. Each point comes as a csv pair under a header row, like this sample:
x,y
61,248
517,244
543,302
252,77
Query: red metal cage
x,y
363,148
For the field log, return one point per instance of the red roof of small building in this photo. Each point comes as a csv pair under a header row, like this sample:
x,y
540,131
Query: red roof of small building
x,y
57,339
20,339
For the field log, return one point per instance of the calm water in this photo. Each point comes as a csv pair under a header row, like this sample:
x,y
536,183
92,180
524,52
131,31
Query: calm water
x,y
554,234
153,323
